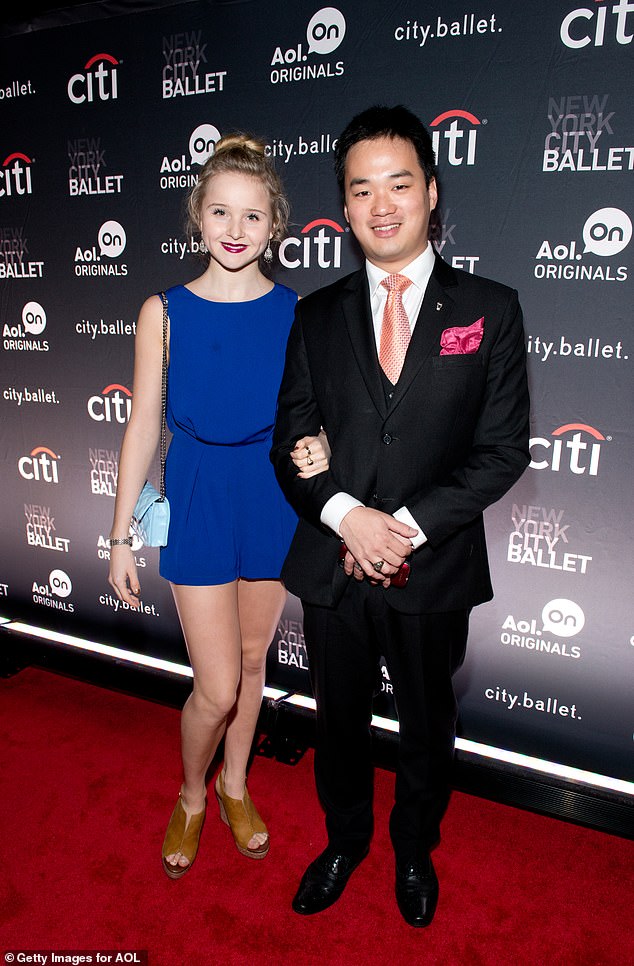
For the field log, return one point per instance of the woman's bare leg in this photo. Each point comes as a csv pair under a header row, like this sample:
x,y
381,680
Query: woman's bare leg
x,y
260,604
209,619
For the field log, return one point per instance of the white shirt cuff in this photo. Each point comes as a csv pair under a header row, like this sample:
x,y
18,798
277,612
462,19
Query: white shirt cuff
x,y
404,516
335,509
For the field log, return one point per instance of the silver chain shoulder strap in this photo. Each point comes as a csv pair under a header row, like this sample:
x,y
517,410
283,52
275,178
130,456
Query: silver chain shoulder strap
x,y
163,446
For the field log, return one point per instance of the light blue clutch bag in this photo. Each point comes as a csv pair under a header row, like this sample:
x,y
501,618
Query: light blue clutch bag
x,y
151,517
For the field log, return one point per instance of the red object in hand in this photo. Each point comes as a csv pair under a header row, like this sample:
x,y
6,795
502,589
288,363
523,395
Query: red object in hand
x,y
399,579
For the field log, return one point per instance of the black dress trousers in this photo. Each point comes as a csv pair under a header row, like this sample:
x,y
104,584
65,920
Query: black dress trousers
x,y
422,652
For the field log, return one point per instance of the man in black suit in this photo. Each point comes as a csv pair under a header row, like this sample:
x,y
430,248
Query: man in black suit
x,y
417,373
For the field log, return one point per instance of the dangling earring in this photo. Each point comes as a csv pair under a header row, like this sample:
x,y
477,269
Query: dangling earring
x,y
202,248
268,254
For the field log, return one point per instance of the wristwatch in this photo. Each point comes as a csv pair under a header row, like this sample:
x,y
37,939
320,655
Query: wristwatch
x,y
119,541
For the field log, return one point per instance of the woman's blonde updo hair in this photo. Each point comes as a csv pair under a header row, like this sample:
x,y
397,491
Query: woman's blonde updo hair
x,y
240,154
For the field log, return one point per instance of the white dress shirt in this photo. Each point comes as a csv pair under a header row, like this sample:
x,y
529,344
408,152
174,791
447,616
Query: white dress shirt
x,y
419,271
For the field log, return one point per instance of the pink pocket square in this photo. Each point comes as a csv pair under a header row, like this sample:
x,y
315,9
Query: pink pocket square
x,y
462,339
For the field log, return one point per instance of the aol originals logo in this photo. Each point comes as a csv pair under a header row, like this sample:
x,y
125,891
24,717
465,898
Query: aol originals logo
x,y
15,176
578,454
16,337
98,81
54,593
176,172
588,25
112,405
40,465
324,34
606,233
321,247
561,618
111,242
457,139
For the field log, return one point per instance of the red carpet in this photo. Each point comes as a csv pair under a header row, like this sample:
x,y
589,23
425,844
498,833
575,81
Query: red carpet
x,y
89,778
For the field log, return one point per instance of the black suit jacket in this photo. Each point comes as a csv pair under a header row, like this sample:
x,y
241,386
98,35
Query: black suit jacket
x,y
453,439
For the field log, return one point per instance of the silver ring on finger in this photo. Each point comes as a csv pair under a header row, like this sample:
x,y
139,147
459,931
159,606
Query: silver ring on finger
x,y
309,460
378,566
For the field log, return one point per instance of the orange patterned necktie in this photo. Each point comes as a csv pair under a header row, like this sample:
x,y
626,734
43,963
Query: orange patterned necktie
x,y
395,332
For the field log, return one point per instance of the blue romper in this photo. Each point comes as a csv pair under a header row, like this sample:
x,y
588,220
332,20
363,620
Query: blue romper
x,y
228,516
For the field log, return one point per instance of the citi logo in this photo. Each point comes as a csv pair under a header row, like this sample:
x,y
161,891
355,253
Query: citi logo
x,y
579,453
587,25
114,404
15,176
320,247
457,141
40,465
98,82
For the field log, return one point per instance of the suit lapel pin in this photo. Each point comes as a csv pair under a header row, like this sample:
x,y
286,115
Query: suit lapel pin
x,y
438,306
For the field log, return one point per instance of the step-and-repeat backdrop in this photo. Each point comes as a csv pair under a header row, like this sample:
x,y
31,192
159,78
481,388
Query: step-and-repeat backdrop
x,y
103,127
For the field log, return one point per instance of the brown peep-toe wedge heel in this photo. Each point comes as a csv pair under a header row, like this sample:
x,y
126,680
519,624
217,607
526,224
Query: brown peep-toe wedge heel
x,y
182,836
242,818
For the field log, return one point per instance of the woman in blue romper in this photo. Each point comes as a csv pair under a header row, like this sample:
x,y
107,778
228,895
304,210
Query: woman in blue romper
x,y
230,525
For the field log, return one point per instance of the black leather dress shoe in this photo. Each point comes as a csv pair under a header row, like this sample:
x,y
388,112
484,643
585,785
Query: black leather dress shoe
x,y
325,879
417,891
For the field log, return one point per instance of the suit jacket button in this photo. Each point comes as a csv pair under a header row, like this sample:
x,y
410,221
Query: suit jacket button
x,y
387,439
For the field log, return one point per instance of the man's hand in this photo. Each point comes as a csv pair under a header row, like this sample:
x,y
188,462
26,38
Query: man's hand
x,y
372,537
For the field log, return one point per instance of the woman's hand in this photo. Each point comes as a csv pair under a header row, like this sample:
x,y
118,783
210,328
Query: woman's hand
x,y
311,455
122,576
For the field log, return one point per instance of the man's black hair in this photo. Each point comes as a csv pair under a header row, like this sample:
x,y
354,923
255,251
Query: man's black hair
x,y
386,122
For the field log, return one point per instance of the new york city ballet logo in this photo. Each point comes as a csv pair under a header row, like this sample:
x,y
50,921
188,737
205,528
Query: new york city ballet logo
x,y
41,465
15,175
606,233
319,245
88,171
291,647
324,34
572,448
177,172
579,127
97,81
185,71
601,24
14,254
454,137
539,538
41,530
104,470
112,405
